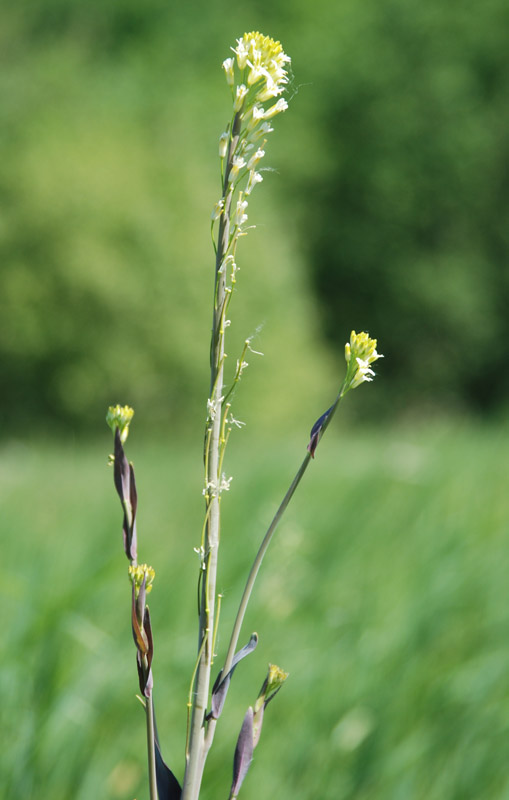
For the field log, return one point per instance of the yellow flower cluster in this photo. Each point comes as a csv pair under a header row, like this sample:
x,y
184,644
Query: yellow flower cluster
x,y
257,75
120,417
138,573
272,684
360,352
265,61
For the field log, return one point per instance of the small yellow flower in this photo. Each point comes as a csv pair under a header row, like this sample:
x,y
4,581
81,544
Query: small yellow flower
x,y
120,417
138,573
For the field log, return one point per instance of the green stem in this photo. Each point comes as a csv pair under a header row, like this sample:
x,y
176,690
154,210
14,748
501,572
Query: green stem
x,y
241,613
152,780
251,581
258,562
196,755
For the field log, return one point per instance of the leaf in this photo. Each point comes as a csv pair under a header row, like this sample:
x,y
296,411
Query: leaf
x,y
168,787
221,686
316,431
243,753
125,484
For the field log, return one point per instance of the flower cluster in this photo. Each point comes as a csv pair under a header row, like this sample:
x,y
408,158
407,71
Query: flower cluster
x,y
257,76
271,686
261,62
120,417
140,573
360,353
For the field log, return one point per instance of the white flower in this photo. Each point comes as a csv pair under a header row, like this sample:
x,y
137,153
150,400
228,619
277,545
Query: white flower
x,y
224,484
254,178
281,105
257,113
240,96
240,216
256,73
253,161
228,64
364,373
271,89
264,129
217,210
242,53
238,163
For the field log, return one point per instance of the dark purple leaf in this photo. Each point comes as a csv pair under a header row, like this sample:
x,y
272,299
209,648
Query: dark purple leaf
x,y
168,787
139,635
316,431
221,685
123,475
133,496
120,468
243,753
147,691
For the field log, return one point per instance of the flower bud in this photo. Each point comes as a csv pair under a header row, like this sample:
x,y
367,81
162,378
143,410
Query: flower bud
x,y
271,686
223,144
228,69
217,210
120,417
140,572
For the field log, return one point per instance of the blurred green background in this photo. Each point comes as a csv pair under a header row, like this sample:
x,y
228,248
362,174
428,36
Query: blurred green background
x,y
386,210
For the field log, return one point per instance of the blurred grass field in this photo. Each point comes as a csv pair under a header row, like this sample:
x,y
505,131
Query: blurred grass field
x,y
384,596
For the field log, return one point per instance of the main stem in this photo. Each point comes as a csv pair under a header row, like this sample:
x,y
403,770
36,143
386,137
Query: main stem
x,y
196,754
251,581
152,778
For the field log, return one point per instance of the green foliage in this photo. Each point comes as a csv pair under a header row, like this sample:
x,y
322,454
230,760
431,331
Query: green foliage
x,y
383,598
405,199
111,172
394,150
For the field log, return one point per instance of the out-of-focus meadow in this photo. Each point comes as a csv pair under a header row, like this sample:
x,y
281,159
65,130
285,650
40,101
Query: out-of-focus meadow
x,y
385,594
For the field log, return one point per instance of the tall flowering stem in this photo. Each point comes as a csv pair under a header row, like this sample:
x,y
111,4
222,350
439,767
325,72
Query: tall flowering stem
x,y
257,76
141,577
360,353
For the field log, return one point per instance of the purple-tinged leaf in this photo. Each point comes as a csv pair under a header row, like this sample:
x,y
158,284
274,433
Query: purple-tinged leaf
x,y
123,476
149,682
221,685
139,634
316,431
257,724
133,495
120,469
144,660
168,787
140,600
243,753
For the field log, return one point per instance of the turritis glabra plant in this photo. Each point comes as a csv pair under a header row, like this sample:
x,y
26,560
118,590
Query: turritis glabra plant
x,y
257,74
